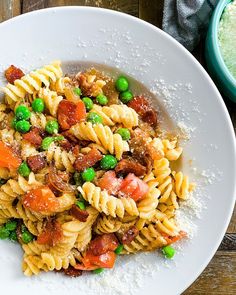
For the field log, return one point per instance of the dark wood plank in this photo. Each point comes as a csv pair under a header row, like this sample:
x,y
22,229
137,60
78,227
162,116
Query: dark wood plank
x,y
130,7
151,11
228,243
9,9
218,278
232,225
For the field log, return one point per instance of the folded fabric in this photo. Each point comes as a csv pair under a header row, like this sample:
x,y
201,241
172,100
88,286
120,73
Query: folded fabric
x,y
187,20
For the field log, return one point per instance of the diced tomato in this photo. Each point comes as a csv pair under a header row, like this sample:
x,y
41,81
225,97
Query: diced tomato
x,y
133,187
41,200
110,182
8,159
102,244
52,233
13,73
70,113
140,104
91,262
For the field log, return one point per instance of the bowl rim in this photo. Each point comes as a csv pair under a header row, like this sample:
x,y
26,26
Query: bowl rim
x,y
218,12
218,97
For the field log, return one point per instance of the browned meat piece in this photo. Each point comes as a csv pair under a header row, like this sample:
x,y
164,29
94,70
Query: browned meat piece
x,y
52,233
65,144
72,272
102,244
88,160
129,165
34,137
142,106
36,163
129,235
79,214
13,73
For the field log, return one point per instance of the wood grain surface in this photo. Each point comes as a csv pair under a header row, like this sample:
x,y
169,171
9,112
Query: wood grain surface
x,y
220,275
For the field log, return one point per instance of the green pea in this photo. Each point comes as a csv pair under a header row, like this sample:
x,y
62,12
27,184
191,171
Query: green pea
x,y
88,103
168,251
38,105
80,204
77,179
108,162
47,141
13,236
11,225
102,99
27,237
22,113
124,133
24,169
13,123
122,84
52,127
94,118
126,96
88,174
4,233
98,270
77,91
22,126
119,249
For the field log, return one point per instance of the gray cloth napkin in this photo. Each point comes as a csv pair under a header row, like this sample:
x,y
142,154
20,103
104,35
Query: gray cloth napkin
x,y
187,20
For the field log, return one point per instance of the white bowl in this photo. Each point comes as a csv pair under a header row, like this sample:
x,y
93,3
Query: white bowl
x,y
188,94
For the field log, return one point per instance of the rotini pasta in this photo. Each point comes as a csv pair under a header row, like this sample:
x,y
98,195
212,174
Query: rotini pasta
x,y
106,203
82,176
101,135
117,114
31,82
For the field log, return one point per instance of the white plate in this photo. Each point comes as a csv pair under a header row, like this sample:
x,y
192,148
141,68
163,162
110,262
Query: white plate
x,y
147,54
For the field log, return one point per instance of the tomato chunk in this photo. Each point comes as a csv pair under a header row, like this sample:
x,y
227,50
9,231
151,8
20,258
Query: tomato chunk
x,y
41,200
133,187
13,73
70,113
110,182
52,233
8,159
102,244
171,240
91,262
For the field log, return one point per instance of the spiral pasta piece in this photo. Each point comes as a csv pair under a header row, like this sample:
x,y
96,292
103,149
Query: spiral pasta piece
x,y
106,225
182,186
106,203
149,238
12,189
117,114
62,159
162,172
38,120
27,150
147,206
10,136
101,135
31,82
51,100
60,84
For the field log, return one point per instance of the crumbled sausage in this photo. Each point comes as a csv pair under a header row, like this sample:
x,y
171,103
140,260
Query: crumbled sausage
x,y
13,73
129,235
36,163
72,272
126,166
34,136
88,160
79,214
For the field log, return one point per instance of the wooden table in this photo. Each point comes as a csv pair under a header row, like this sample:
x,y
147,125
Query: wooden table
x,y
220,275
